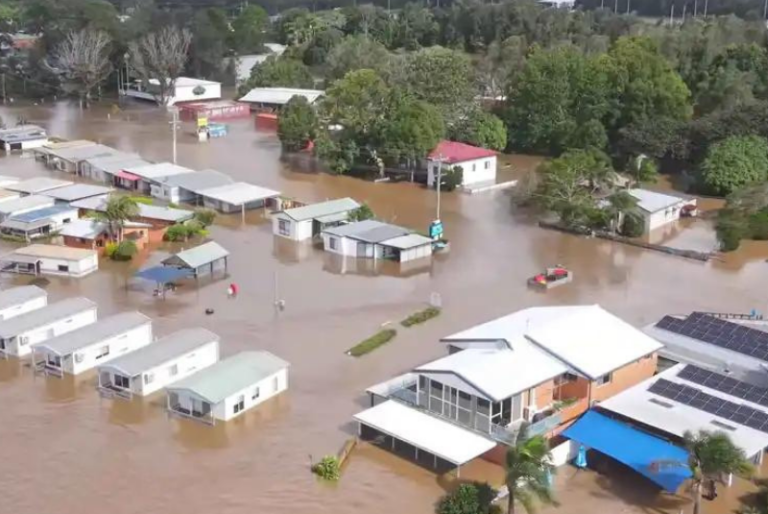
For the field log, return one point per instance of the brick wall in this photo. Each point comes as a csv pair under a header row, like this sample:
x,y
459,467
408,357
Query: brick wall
x,y
625,378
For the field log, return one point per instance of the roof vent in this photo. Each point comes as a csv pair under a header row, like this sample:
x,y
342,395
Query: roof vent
x,y
720,424
661,403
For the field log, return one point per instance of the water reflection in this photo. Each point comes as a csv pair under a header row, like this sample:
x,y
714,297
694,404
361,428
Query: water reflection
x,y
135,411
68,388
10,368
344,265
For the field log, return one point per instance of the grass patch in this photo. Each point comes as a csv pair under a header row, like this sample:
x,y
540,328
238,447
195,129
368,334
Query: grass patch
x,y
378,339
420,317
142,199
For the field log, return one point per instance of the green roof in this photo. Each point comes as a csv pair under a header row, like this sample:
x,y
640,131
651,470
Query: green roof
x,y
319,210
227,377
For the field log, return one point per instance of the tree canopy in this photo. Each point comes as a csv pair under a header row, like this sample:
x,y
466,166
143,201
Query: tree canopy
x,y
735,162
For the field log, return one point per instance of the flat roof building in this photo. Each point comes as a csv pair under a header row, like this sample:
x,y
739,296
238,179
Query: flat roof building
x,y
42,259
238,197
37,185
376,240
77,192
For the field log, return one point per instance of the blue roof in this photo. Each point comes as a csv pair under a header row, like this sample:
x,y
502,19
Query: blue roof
x,y
41,214
163,274
630,446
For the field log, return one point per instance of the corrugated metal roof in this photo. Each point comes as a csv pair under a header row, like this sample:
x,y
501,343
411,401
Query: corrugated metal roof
x,y
55,252
43,214
81,153
94,333
38,185
198,256
77,192
279,95
651,201
317,210
24,226
114,163
227,377
239,193
198,181
19,295
99,204
5,194
164,350
369,231
44,316
85,228
25,203
157,171
408,241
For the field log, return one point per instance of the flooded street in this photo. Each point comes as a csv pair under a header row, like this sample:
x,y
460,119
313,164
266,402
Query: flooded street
x,y
63,449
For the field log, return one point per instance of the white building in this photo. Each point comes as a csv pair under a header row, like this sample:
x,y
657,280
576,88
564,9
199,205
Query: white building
x,y
186,187
40,259
238,197
373,239
24,137
87,347
274,98
302,223
20,300
168,360
75,192
152,175
229,388
658,209
37,185
478,164
245,63
16,206
20,332
40,222
104,169
70,159
185,89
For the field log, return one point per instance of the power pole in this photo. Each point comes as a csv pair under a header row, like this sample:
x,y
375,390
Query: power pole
x,y
695,7
439,160
615,6
628,3
706,6
672,14
174,126
4,96
765,11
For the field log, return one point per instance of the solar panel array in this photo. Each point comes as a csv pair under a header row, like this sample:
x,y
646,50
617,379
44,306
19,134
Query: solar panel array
x,y
698,399
719,332
725,384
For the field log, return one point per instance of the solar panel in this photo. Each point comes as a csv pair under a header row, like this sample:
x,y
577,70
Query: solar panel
x,y
724,384
698,399
719,332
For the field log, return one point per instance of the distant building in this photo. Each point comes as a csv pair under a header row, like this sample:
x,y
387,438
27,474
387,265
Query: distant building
x,y
273,99
185,89
39,223
245,63
24,137
478,164
95,235
20,300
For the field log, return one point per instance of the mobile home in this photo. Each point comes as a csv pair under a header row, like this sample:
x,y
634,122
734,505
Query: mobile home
x,y
238,197
229,388
20,332
39,259
24,137
87,347
302,223
20,300
170,359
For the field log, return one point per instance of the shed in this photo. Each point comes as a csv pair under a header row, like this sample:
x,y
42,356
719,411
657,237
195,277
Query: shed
x,y
77,192
186,187
376,240
200,260
214,111
302,223
658,209
229,388
88,346
103,169
20,332
24,137
170,359
40,259
478,164
151,175
40,222
238,197
274,98
37,185
20,300
18,206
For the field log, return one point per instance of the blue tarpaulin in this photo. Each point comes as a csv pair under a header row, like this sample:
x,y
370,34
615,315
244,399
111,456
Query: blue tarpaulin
x,y
163,274
630,446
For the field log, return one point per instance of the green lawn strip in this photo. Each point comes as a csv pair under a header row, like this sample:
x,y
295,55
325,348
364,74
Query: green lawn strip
x,y
420,317
379,338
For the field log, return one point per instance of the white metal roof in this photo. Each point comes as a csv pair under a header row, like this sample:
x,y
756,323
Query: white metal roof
x,y
27,203
280,95
238,193
318,210
6,180
65,253
157,171
499,373
77,192
38,185
651,201
197,256
440,438
156,212
408,241
634,403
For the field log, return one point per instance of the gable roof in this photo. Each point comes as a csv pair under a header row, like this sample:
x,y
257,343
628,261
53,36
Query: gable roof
x,y
198,180
225,378
26,203
18,295
369,231
453,152
164,350
54,252
96,332
318,210
155,212
279,95
198,255
77,192
157,171
651,201
44,316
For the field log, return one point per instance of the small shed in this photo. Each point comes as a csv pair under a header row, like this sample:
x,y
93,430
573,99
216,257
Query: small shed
x,y
186,89
94,235
24,137
20,300
103,169
10,208
200,260
186,187
149,176
274,98
170,359
88,346
20,332
373,239
658,209
478,164
75,192
229,388
238,197
39,223
37,185
302,223
40,259
213,111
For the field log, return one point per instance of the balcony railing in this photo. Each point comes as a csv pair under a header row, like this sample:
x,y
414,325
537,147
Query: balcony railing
x,y
545,425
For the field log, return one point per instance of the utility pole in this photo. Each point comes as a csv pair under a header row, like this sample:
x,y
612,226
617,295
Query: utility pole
x,y
706,6
628,3
672,14
174,126
439,160
695,7
685,8
615,6
4,96
765,12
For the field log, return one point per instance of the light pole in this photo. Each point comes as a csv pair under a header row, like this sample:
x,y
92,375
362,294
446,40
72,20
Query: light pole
x,y
174,127
439,160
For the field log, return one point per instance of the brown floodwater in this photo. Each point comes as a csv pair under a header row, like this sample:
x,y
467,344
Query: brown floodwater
x,y
63,449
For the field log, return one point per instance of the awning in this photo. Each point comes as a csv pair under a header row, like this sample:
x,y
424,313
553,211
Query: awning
x,y
425,432
127,176
163,274
630,446
332,218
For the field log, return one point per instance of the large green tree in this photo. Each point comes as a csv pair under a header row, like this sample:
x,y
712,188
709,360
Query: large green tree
x,y
355,53
297,125
528,468
480,128
442,77
735,162
118,211
411,129
249,29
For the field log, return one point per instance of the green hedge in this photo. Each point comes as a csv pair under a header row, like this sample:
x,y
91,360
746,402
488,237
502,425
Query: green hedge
x,y
420,317
380,338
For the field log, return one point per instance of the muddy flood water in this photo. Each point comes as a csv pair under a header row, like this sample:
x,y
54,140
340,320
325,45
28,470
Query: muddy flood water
x,y
65,450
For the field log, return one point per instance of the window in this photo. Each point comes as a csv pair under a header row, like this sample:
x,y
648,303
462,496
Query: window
x,y
332,243
275,384
487,165
565,378
605,379
474,167
78,358
173,370
67,220
121,381
149,378
256,394
103,352
240,405
63,268
284,227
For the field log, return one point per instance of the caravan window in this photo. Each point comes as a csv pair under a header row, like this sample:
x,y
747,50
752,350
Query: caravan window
x,y
240,405
283,227
121,381
149,378
103,352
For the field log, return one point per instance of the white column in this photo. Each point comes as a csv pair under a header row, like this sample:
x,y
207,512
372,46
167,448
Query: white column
x,y
729,480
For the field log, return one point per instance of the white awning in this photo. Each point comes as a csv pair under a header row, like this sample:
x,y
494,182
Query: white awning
x,y
425,432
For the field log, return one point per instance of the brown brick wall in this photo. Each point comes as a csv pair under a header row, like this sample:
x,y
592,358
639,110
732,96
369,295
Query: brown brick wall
x,y
625,378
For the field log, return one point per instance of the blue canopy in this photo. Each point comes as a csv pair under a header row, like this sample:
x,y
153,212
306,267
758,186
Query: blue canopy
x,y
630,446
163,274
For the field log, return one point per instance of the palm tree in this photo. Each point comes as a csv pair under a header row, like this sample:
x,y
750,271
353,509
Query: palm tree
x,y
119,209
528,471
620,203
711,455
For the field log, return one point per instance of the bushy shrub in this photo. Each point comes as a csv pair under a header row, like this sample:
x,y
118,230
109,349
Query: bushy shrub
x,y
633,226
758,225
183,232
378,339
420,317
472,498
205,217
364,212
125,251
109,249
328,468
